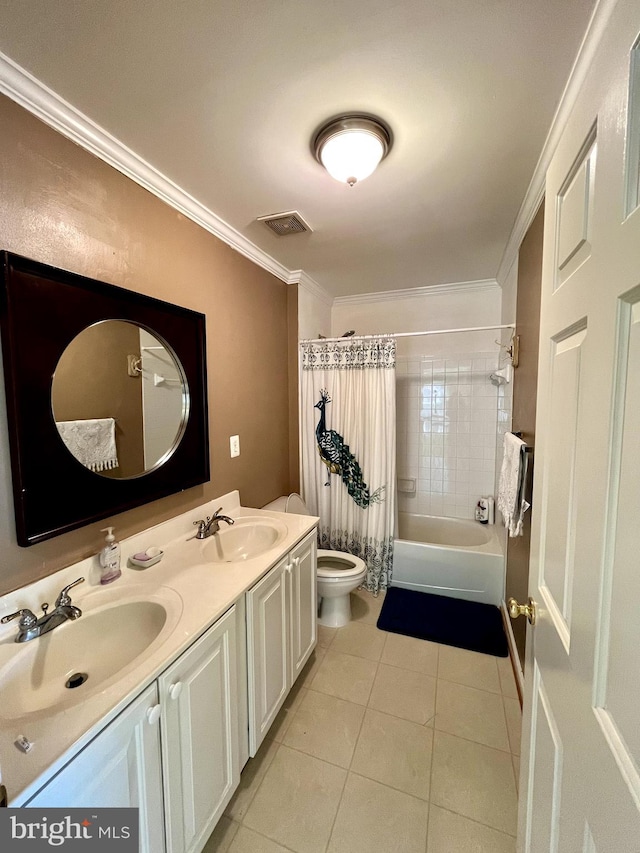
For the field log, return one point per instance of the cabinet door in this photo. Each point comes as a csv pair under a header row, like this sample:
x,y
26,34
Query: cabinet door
x,y
303,603
119,768
267,651
198,695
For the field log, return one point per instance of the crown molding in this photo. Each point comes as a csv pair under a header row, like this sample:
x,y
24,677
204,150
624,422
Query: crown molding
x,y
535,192
417,292
303,280
41,101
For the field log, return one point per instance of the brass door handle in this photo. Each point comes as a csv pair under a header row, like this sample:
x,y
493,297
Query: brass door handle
x,y
529,610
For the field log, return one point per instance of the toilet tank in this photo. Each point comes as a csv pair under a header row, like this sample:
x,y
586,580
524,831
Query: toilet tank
x,y
279,505
288,503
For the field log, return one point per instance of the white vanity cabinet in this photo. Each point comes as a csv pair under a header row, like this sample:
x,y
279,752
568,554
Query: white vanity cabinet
x,y
267,651
176,750
180,737
281,634
119,768
198,698
303,603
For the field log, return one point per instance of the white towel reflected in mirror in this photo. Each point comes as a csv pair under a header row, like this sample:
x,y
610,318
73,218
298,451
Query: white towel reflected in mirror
x,y
92,442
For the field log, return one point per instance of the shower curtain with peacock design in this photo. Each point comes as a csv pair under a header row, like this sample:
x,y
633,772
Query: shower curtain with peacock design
x,y
348,423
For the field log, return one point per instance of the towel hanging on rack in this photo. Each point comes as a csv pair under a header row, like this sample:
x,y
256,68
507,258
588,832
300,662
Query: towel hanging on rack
x,y
92,442
511,502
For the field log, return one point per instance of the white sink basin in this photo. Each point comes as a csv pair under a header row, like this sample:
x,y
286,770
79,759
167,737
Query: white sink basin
x,y
63,667
247,538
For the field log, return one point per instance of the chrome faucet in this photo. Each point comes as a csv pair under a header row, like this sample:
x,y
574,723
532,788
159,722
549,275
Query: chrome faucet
x,y
31,626
211,525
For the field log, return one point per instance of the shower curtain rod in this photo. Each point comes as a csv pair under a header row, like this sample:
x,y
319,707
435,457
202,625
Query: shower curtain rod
x,y
408,334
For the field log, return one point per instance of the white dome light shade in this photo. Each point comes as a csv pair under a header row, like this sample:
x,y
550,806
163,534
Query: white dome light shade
x,y
351,147
352,155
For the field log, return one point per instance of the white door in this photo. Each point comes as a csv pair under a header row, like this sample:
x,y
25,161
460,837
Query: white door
x,y
580,782
268,651
119,768
200,736
303,603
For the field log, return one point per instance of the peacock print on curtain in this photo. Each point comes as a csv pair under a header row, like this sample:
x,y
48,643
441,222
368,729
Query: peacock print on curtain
x,y
348,423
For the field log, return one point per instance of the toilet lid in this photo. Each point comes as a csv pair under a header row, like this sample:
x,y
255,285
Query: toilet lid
x,y
339,564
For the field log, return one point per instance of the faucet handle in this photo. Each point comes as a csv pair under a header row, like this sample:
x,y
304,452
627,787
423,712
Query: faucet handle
x,y
215,514
63,600
27,618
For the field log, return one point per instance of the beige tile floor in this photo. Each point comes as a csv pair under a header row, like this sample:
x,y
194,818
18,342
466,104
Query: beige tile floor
x,y
386,744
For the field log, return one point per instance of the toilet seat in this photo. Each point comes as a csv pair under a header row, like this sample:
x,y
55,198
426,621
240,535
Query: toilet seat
x,y
338,564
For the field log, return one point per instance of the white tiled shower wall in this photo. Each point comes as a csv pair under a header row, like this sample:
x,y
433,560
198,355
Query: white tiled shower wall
x,y
505,407
450,420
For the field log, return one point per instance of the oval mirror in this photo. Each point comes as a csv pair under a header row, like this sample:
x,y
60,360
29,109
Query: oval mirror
x,y
120,399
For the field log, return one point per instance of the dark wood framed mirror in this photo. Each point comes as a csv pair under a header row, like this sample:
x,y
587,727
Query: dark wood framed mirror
x,y
106,397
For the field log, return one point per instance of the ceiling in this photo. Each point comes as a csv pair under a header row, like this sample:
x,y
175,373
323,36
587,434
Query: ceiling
x,y
223,97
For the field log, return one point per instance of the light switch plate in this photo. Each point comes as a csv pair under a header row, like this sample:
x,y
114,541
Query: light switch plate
x,y
234,445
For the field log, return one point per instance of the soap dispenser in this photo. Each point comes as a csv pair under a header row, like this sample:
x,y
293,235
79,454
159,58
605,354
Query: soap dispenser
x,y
110,558
482,511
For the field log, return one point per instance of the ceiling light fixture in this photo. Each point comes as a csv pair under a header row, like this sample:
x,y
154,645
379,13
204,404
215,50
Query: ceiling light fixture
x,y
351,146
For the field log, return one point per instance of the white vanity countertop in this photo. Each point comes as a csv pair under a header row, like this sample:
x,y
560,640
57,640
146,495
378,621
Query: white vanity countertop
x,y
198,592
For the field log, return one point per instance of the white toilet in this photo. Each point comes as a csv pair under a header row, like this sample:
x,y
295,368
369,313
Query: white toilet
x,y
339,573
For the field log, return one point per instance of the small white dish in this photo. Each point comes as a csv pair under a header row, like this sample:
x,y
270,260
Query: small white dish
x,y
147,558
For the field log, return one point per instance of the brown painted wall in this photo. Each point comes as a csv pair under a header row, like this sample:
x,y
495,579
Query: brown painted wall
x,y
294,438
524,404
61,206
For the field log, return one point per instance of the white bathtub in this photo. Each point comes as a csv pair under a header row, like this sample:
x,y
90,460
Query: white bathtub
x,y
449,556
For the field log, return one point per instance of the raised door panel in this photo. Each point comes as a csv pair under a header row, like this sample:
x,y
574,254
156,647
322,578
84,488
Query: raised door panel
x,y
303,603
560,495
120,768
575,214
545,769
633,133
199,725
617,694
267,651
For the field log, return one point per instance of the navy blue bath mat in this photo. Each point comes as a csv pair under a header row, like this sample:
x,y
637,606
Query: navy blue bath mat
x,y
452,621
